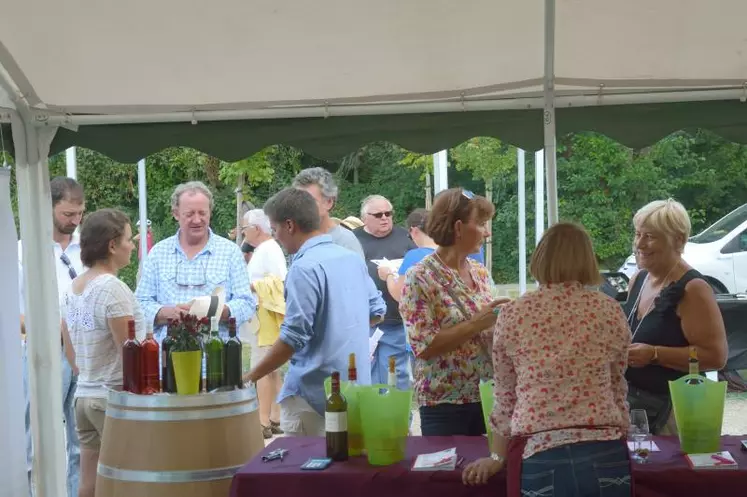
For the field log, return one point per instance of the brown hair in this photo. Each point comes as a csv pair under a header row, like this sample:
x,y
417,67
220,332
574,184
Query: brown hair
x,y
565,254
98,230
417,219
452,205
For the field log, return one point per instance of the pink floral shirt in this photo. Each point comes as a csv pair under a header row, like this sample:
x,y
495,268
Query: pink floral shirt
x,y
426,307
560,355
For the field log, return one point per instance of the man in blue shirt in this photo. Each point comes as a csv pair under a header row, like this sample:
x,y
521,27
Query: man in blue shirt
x,y
330,303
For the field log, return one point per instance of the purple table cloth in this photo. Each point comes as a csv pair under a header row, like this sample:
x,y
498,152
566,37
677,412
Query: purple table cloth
x,y
666,475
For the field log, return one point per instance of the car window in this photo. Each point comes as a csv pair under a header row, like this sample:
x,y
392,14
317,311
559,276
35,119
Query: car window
x,y
722,227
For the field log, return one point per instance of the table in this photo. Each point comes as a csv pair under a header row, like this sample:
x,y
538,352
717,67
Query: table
x,y
666,475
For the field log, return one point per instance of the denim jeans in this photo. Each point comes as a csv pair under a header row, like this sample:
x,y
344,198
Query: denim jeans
x,y
452,419
586,469
69,383
392,342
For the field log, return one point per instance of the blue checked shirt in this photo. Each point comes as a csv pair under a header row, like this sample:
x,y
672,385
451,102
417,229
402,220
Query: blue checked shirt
x,y
168,278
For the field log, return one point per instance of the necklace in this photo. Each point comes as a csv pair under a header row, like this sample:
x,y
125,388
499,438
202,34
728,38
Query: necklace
x,y
634,310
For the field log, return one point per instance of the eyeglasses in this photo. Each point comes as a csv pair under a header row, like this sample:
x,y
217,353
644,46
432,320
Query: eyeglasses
x,y
70,269
468,194
379,215
188,278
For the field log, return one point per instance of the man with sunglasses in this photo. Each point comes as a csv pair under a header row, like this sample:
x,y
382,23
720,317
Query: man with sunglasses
x,y
68,206
193,263
381,239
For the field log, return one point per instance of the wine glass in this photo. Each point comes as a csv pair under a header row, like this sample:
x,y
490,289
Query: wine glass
x,y
639,432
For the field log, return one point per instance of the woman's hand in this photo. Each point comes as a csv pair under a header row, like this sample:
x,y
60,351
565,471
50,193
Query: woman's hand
x,y
640,354
384,272
480,471
488,314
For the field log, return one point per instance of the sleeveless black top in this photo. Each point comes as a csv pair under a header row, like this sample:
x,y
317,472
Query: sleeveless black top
x,y
661,326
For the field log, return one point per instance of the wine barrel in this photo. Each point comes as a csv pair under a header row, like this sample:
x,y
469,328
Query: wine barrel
x,y
176,445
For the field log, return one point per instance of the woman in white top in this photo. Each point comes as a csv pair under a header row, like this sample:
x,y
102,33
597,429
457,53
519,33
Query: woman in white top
x,y
267,259
96,310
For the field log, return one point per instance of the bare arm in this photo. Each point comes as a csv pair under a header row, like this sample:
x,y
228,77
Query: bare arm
x,y
448,339
703,327
68,347
118,329
394,284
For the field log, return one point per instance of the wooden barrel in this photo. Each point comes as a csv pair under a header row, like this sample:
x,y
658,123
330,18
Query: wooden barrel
x,y
176,445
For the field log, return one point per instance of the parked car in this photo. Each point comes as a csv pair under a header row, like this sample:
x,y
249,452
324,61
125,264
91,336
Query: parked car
x,y
719,252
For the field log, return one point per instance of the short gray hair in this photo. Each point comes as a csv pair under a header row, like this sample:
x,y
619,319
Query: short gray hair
x,y
294,205
320,177
258,218
368,200
191,187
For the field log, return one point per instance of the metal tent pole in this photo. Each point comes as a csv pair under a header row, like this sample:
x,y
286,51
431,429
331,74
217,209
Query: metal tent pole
x,y
522,223
43,324
13,469
142,191
71,163
539,195
549,114
440,172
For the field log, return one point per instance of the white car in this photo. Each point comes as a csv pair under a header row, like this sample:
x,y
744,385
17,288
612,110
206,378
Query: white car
x,y
719,252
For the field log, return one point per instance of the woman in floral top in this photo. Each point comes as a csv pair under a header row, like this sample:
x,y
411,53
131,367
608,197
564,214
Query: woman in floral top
x,y
448,309
560,355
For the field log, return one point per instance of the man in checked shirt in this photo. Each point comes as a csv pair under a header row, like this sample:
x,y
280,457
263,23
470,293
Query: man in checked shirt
x,y
68,205
193,263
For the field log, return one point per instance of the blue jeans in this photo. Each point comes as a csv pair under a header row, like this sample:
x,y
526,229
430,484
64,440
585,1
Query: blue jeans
x,y
586,469
392,342
69,383
452,419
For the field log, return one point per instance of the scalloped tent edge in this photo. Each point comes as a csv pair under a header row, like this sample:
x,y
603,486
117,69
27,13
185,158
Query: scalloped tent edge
x,y
635,126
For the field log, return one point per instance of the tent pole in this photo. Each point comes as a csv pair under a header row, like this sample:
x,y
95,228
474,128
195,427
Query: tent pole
x,y
549,114
440,172
13,470
539,195
522,223
71,163
142,193
43,323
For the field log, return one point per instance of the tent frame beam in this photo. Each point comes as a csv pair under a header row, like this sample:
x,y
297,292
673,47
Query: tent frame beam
x,y
49,118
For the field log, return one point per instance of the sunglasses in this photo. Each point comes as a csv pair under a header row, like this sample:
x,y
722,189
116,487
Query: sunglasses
x,y
70,269
468,194
379,215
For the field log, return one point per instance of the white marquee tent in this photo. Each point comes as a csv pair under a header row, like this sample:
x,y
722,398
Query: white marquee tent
x,y
231,77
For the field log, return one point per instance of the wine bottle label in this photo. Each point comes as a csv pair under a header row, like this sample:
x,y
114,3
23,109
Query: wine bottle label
x,y
335,422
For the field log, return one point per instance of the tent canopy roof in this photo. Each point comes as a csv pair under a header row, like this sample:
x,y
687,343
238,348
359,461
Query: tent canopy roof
x,y
142,57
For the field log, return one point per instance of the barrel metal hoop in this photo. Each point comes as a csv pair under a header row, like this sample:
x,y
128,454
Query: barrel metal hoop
x,y
141,476
191,415
163,401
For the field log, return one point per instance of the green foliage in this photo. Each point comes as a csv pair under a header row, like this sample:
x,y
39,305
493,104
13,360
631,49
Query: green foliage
x,y
601,184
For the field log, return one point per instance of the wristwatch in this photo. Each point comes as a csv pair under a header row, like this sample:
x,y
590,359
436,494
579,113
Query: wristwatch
x,y
497,457
655,358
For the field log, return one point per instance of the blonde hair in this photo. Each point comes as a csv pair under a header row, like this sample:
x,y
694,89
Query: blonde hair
x,y
667,217
565,253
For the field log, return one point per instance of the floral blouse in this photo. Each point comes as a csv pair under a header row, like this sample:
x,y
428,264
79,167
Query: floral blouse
x,y
560,355
426,307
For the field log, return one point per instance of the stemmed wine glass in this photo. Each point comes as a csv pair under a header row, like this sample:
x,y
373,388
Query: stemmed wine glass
x,y
639,432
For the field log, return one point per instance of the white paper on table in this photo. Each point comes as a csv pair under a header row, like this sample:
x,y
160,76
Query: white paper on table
x,y
646,444
392,264
373,342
